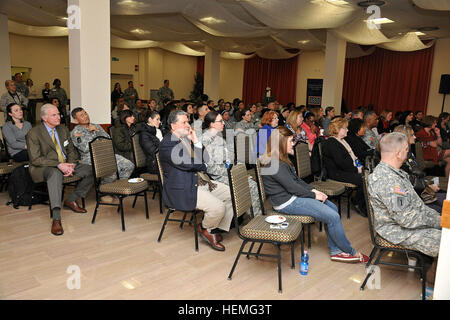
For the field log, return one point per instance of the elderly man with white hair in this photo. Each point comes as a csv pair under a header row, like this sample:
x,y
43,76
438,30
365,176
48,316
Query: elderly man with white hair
x,y
53,157
400,215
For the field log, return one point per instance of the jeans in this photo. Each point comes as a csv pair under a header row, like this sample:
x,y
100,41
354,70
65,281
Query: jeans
x,y
327,213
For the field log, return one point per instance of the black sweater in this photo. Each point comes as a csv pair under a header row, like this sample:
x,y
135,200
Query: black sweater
x,y
150,145
284,184
359,147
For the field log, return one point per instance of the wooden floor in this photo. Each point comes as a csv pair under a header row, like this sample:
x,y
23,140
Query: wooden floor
x,y
133,265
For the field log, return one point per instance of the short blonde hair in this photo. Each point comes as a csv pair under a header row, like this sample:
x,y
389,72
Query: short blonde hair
x,y
336,125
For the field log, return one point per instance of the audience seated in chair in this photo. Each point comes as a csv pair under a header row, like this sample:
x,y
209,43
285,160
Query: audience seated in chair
x,y
150,136
291,195
53,157
340,161
356,130
269,122
417,176
430,136
370,122
220,155
400,215
186,185
14,133
121,135
85,132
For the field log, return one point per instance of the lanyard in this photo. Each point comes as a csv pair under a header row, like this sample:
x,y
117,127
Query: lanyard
x,y
13,96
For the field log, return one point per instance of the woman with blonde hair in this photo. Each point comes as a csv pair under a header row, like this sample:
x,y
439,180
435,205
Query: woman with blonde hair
x,y
294,123
341,163
290,195
385,122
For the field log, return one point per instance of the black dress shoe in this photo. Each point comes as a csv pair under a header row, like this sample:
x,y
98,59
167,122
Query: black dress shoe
x,y
360,211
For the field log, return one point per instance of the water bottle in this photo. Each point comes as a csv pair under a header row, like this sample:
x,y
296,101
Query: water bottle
x,y
304,264
358,163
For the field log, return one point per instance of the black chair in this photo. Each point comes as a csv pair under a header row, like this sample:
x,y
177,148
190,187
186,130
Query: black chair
x,y
384,246
192,221
140,165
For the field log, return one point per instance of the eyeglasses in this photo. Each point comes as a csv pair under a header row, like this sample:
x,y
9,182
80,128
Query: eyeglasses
x,y
220,121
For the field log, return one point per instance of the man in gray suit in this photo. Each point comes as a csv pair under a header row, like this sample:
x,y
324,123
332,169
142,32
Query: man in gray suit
x,y
53,157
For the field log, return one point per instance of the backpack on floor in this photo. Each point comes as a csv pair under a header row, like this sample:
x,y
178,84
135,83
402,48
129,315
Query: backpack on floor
x,y
20,189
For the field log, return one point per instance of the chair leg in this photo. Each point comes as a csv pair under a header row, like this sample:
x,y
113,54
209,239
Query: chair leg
x,y
423,276
160,201
309,236
320,226
280,290
292,255
169,211
184,218
83,203
121,214
339,205
146,205
302,241
134,202
237,259
250,250
95,212
194,216
372,254
259,250
372,271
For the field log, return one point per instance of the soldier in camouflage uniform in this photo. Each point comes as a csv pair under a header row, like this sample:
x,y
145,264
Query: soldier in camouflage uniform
x,y
84,133
21,87
400,215
220,155
130,95
165,92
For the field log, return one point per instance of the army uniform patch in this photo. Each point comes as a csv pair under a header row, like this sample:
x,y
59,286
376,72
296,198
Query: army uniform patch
x,y
399,190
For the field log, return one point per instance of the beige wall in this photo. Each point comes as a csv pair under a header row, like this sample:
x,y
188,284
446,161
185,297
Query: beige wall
x,y
47,57
441,65
310,66
231,79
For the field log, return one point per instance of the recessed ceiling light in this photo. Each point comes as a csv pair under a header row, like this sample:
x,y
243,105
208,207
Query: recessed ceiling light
x,y
366,4
303,41
140,31
379,21
211,20
337,2
419,33
64,18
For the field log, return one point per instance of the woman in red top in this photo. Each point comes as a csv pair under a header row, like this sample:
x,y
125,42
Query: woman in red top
x,y
430,137
309,127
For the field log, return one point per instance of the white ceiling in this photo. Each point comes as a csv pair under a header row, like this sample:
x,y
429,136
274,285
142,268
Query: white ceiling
x,y
264,27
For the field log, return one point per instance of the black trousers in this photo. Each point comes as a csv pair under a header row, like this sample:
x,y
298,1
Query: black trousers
x,y
21,156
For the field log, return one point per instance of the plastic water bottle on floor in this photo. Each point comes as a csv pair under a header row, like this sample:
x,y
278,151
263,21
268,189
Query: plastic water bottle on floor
x,y
304,264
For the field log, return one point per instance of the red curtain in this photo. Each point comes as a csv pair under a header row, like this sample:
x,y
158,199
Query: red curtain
x,y
201,65
391,80
279,75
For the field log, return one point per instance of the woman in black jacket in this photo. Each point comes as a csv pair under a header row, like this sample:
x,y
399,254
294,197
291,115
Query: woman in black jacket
x,y
356,131
149,138
341,163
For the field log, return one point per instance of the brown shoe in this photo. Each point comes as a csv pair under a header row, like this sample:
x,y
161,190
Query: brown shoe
x,y
74,207
57,228
210,238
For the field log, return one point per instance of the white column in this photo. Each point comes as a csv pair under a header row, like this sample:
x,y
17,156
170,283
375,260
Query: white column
x,y
334,72
442,281
211,85
5,58
90,58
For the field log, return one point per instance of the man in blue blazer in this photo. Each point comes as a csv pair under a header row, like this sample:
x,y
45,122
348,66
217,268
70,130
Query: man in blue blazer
x,y
187,186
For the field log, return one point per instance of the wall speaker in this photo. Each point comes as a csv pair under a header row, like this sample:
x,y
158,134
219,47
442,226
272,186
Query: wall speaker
x,y
444,87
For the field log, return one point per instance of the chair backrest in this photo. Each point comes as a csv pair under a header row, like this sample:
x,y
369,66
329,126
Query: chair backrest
x,y
102,157
303,161
160,170
241,148
370,163
370,214
259,182
138,153
240,190
419,154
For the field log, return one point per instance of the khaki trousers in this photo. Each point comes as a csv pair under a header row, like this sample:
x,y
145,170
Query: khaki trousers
x,y
216,205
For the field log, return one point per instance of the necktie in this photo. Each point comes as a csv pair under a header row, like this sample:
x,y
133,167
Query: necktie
x,y
61,158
